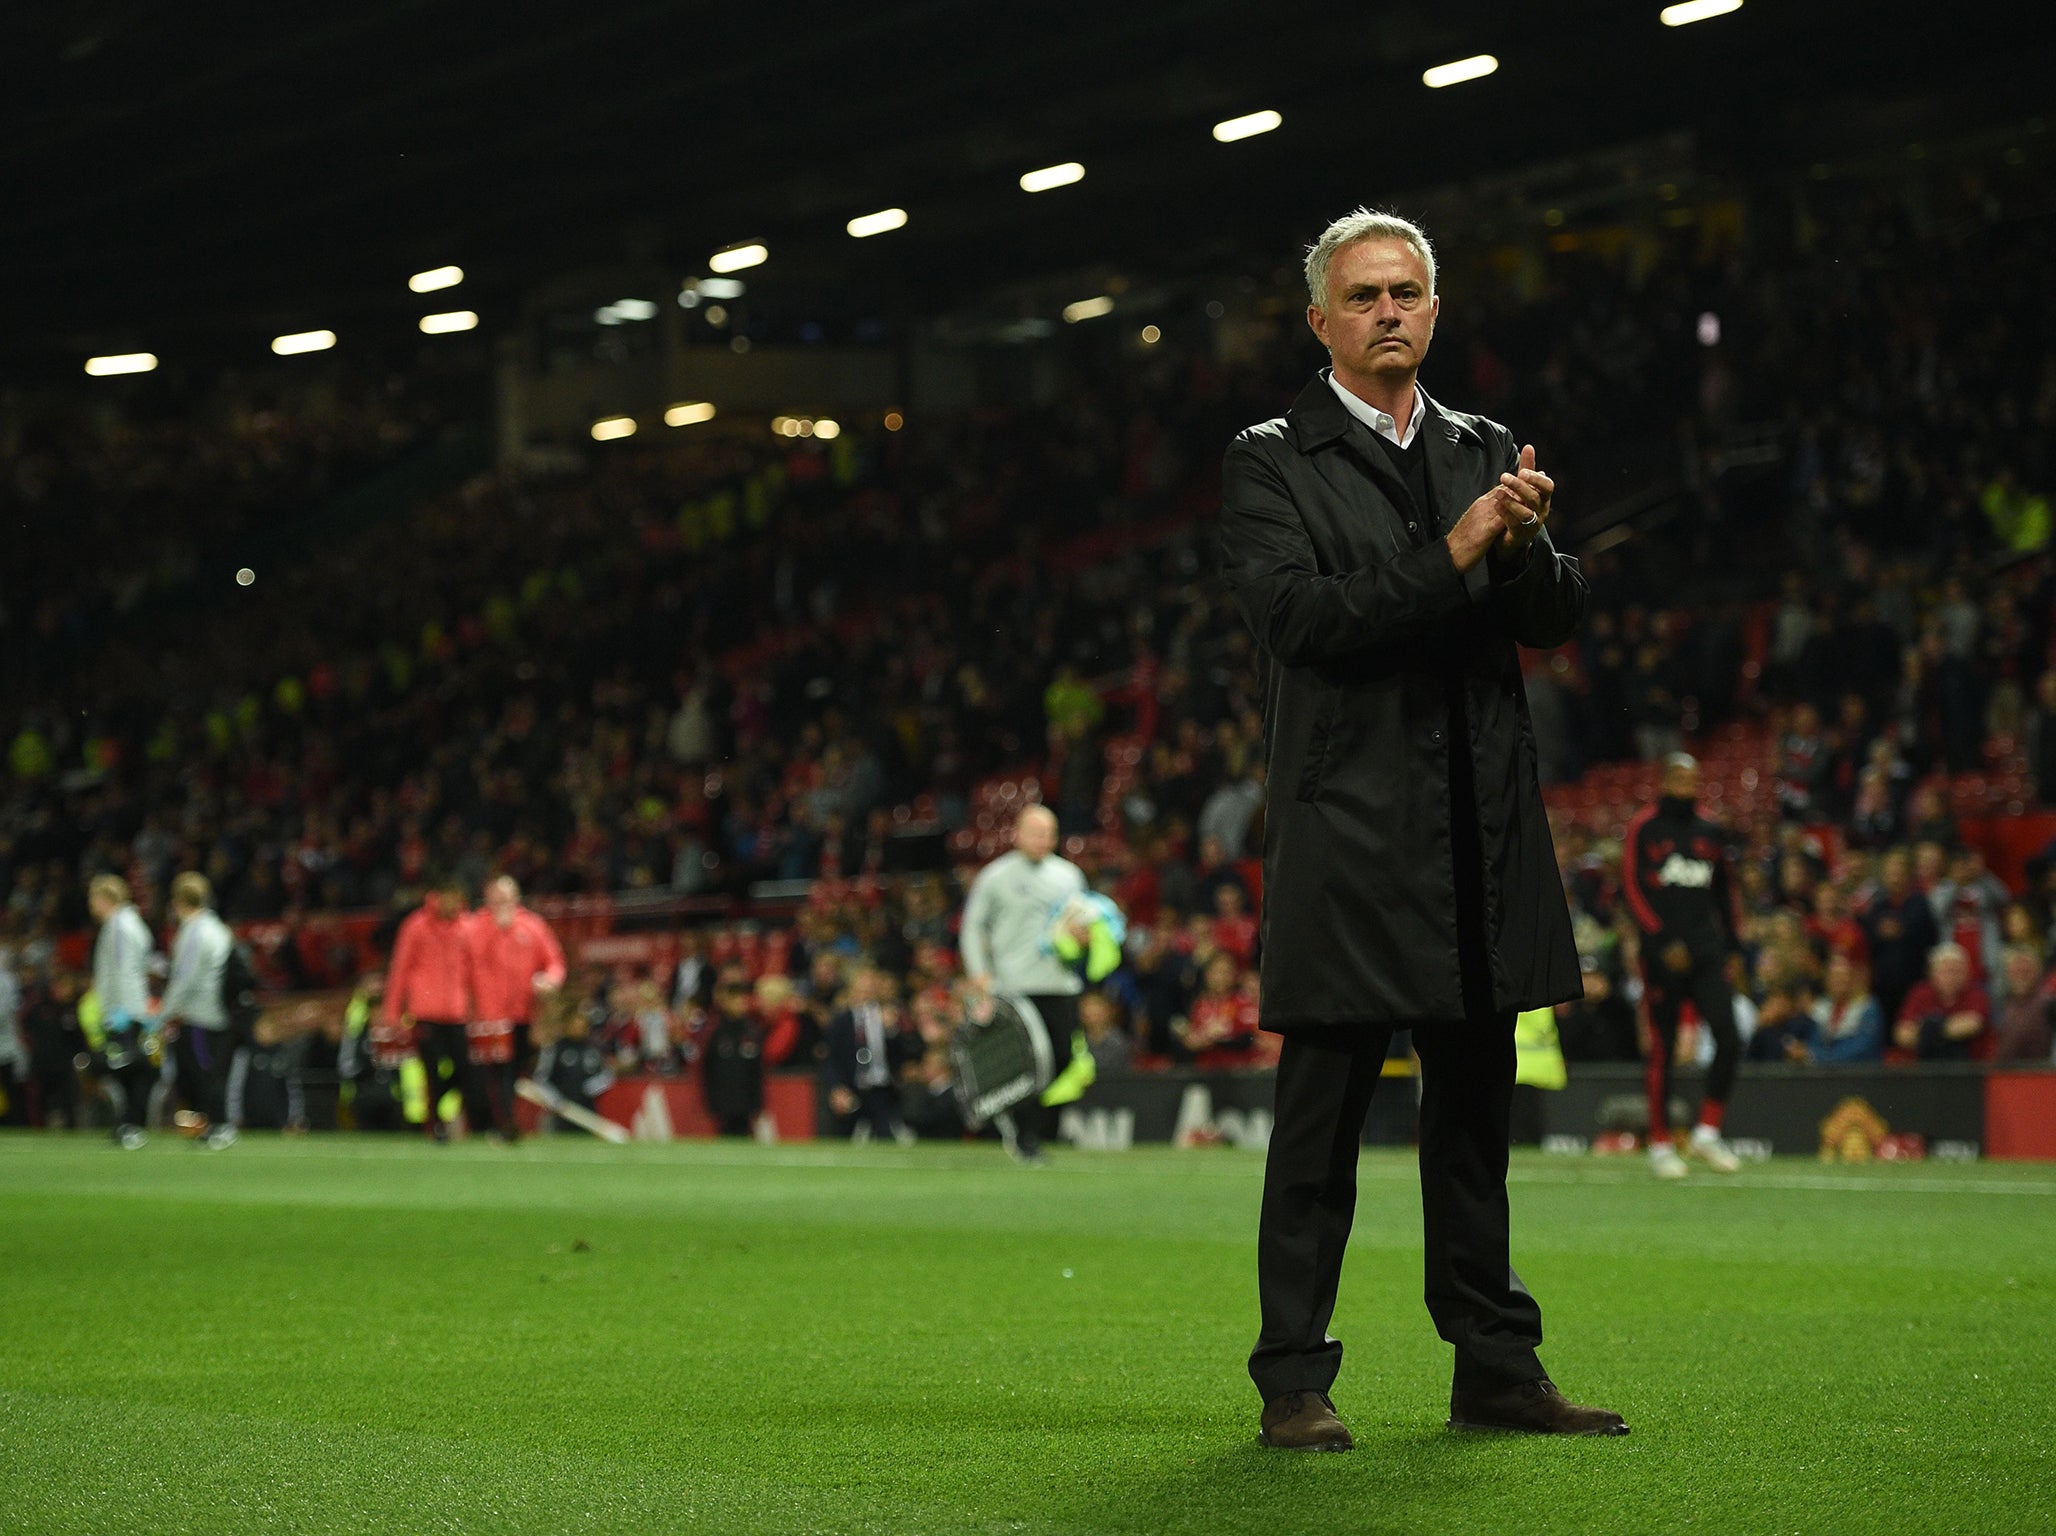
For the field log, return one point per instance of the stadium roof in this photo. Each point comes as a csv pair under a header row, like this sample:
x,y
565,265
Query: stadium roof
x,y
178,170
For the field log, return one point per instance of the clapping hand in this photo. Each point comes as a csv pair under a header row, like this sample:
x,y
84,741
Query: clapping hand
x,y
1524,496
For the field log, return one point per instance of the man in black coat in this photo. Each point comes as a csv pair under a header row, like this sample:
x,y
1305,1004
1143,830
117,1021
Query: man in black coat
x,y
1389,556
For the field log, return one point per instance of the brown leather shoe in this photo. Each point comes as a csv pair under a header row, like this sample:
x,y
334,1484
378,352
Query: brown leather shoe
x,y
1532,1407
1304,1421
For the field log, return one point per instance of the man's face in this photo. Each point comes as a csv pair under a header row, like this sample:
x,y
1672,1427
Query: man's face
x,y
501,900
1681,783
1379,317
101,906
1035,834
1951,974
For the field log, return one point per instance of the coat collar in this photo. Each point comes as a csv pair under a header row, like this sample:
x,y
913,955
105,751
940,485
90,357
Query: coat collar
x,y
1317,419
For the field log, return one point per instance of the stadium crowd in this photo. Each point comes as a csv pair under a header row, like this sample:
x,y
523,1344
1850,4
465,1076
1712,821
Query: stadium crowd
x,y
695,669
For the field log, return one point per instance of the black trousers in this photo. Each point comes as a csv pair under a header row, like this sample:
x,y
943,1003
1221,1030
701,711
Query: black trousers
x,y
1706,984
203,1057
440,1044
1325,1082
1034,1121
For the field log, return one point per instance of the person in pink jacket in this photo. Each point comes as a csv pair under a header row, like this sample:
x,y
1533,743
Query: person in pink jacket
x,y
430,990
515,959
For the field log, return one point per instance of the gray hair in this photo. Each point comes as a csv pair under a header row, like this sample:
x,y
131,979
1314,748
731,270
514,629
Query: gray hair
x,y
1363,224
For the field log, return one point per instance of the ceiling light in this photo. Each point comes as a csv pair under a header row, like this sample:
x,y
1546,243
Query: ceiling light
x,y
736,257
1053,176
455,320
611,427
720,287
1246,127
121,362
894,421
1088,309
881,222
827,427
303,341
625,309
1475,67
1151,335
689,414
438,277
1683,15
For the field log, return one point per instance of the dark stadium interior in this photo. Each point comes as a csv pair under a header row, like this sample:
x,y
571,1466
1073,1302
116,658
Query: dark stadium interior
x,y
171,171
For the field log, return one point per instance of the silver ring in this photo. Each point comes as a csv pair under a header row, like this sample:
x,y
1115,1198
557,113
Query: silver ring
x,y
1531,519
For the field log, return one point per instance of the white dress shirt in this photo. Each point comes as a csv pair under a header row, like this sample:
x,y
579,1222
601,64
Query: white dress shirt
x,y
1379,421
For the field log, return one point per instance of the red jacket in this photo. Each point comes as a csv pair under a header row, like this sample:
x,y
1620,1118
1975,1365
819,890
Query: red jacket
x,y
506,961
430,976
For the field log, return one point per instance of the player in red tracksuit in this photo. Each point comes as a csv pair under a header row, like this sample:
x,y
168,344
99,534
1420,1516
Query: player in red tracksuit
x,y
429,988
514,957
1674,875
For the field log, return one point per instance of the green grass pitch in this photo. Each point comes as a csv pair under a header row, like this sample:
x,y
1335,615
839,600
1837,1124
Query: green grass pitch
x,y
361,1335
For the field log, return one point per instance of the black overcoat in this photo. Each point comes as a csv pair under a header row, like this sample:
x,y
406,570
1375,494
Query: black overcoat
x,y
1357,627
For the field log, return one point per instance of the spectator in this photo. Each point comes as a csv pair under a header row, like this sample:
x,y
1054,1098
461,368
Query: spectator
x,y
1234,930
56,1042
575,1065
732,1058
1600,1026
1848,1025
1221,1027
1225,819
654,1039
1100,1018
1946,1017
867,1050
2022,1025
1900,926
1970,905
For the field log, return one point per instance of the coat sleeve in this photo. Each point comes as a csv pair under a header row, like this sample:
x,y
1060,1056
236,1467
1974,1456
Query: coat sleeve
x,y
553,953
1541,593
971,935
399,974
1299,615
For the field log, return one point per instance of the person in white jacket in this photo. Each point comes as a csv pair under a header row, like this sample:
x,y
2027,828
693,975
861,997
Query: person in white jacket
x,y
121,983
195,1018
1013,906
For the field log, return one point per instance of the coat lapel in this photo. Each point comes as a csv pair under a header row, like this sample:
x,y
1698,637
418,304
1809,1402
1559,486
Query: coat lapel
x,y
1319,421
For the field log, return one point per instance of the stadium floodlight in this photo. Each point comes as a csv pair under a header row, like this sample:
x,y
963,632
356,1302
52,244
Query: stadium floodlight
x,y
826,427
611,427
121,362
882,222
1476,67
688,413
625,309
1247,126
303,341
453,320
1683,15
736,257
1088,309
436,277
1053,176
